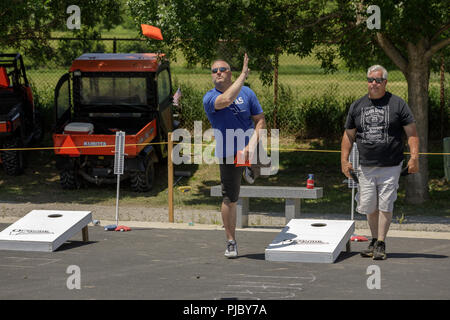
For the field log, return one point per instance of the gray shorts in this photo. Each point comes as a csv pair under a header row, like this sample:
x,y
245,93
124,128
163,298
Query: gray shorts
x,y
377,189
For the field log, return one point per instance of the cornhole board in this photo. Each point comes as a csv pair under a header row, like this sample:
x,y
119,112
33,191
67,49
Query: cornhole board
x,y
45,230
311,240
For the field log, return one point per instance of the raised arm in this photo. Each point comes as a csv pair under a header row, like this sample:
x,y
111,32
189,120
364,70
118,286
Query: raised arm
x,y
227,98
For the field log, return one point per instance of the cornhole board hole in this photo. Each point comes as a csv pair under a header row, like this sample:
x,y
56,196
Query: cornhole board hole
x,y
45,230
311,240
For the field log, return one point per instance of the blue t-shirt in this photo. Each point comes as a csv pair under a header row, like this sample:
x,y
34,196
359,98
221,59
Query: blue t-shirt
x,y
237,118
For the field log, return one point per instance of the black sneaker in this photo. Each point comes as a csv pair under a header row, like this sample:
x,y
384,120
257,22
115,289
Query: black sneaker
x,y
368,253
379,252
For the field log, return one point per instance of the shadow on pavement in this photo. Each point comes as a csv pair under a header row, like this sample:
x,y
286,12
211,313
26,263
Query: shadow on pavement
x,y
255,256
71,244
345,255
415,255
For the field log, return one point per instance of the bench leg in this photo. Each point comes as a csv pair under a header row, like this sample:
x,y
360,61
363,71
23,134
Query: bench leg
x,y
292,209
242,213
85,234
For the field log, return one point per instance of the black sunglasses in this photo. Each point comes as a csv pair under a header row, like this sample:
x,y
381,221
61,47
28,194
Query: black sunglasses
x,y
377,80
221,69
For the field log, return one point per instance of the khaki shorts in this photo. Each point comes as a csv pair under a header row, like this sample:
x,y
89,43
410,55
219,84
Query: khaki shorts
x,y
377,189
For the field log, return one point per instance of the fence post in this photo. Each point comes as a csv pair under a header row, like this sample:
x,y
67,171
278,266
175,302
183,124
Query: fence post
x,y
275,90
114,45
442,95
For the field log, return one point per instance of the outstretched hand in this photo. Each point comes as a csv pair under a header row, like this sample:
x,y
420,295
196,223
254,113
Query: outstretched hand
x,y
245,69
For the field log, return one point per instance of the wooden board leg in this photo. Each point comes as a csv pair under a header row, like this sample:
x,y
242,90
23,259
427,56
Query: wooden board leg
x,y
85,234
348,246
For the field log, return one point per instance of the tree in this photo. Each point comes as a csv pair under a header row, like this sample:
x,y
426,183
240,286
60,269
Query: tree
x,y
206,30
26,25
410,34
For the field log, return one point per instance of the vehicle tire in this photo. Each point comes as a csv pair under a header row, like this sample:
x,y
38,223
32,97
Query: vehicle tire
x,y
142,181
69,179
13,161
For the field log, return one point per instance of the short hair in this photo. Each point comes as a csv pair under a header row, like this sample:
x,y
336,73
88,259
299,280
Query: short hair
x,y
377,67
222,60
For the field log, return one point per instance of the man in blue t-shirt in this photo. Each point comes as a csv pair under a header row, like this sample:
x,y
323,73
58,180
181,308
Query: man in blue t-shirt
x,y
236,117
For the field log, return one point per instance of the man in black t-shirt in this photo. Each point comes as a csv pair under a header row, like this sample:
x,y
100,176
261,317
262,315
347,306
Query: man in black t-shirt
x,y
377,122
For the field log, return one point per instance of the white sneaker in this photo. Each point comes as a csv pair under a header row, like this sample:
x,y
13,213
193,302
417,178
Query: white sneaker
x,y
248,175
231,251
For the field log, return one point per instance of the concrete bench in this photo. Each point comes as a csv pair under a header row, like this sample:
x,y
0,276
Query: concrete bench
x,y
293,196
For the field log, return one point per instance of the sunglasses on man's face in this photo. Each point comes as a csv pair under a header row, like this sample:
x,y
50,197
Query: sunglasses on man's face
x,y
377,80
221,69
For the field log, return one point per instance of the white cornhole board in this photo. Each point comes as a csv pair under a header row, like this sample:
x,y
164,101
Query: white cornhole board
x,y
300,241
44,230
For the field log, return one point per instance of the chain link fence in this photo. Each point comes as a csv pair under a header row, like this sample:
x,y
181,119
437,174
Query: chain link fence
x,y
304,101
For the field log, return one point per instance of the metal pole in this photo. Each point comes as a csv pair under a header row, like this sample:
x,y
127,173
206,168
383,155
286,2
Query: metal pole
x,y
354,159
170,176
118,165
353,200
117,200
353,189
355,162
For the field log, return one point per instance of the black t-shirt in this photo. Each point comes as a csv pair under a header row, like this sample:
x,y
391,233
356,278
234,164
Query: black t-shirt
x,y
379,129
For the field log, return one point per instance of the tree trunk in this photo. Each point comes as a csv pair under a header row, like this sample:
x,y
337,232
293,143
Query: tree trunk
x,y
418,75
442,95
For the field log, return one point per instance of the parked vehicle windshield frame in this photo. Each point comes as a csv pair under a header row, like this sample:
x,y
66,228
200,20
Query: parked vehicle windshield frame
x,y
119,89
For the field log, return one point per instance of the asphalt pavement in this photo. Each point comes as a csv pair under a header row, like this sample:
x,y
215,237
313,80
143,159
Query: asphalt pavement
x,y
188,264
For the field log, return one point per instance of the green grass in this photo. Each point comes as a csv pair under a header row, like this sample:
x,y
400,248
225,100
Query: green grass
x,y
40,184
302,85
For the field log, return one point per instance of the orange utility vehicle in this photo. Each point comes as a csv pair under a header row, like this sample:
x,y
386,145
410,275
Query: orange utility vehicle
x,y
104,93
20,121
